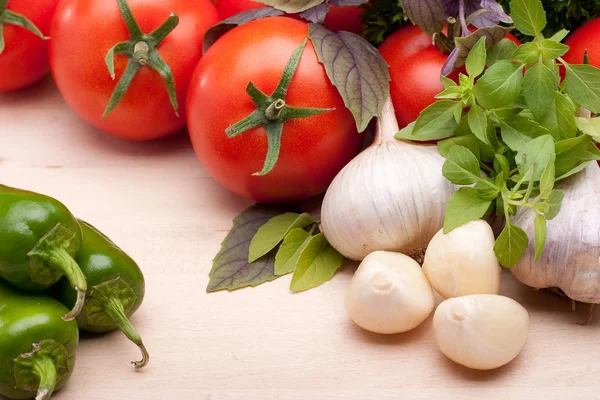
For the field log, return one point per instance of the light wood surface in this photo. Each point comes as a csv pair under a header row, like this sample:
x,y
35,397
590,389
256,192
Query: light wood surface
x,y
155,200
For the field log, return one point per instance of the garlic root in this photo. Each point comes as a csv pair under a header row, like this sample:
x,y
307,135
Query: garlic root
x,y
391,197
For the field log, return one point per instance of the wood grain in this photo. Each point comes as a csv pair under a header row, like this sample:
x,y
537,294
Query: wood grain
x,y
155,200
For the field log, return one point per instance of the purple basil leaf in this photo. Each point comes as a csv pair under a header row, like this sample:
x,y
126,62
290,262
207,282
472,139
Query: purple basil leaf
x,y
292,6
493,34
316,14
218,30
494,15
449,64
356,69
497,10
231,269
428,14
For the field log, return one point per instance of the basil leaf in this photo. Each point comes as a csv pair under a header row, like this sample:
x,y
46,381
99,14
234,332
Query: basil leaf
x,y
534,156
428,14
465,44
539,229
485,191
502,50
274,231
550,49
511,245
464,206
292,6
554,202
289,253
475,62
560,120
478,123
461,166
582,83
516,131
527,53
560,35
574,171
589,126
318,13
231,269
357,70
317,264
468,141
539,85
570,152
500,85
528,16
437,121
218,30
547,179
501,164
591,154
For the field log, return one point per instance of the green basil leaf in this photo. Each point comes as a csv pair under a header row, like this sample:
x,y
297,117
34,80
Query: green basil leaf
x,y
501,164
293,6
560,35
550,49
560,120
502,50
485,191
591,154
469,141
406,132
231,269
554,201
453,92
570,152
539,85
475,62
574,171
355,68
500,85
274,231
511,245
448,83
516,131
582,83
317,264
589,126
529,16
539,229
547,179
478,123
463,127
436,121
461,166
527,53
534,156
464,206
290,250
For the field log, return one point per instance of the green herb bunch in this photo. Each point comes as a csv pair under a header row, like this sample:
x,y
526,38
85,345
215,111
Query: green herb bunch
x,y
517,123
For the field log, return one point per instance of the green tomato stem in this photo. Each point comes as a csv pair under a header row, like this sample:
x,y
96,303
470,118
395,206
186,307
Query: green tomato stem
x,y
9,17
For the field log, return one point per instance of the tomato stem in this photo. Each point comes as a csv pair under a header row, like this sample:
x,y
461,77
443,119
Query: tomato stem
x,y
9,17
142,50
272,112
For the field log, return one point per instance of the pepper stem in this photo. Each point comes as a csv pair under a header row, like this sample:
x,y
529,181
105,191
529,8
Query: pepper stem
x,y
62,260
39,370
44,368
9,17
115,310
272,112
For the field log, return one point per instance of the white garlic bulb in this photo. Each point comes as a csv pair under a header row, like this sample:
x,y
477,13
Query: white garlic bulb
x,y
392,196
463,262
571,258
481,331
389,293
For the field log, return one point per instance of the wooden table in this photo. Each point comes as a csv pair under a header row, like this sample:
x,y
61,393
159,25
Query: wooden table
x,y
155,200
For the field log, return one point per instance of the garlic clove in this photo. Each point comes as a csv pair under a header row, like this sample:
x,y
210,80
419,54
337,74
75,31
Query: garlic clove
x,y
389,293
391,197
481,331
571,258
463,262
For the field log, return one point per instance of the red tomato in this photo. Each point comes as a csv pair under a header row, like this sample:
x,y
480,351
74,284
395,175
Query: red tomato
x,y
313,150
82,33
25,57
586,37
415,66
337,19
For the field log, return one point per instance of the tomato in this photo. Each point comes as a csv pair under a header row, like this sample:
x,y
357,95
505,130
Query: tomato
x,y
24,60
83,31
338,18
313,149
586,37
415,66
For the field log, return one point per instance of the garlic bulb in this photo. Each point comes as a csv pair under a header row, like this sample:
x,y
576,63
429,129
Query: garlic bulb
x,y
571,258
481,331
463,262
392,196
389,293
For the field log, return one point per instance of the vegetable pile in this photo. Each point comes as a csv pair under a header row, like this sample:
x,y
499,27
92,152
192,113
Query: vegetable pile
x,y
498,129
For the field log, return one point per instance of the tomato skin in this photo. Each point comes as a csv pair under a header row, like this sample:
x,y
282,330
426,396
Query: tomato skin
x,y
586,37
84,30
337,19
313,150
415,66
24,60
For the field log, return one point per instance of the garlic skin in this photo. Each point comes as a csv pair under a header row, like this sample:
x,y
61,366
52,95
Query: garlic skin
x,y
392,196
389,293
481,331
571,258
463,262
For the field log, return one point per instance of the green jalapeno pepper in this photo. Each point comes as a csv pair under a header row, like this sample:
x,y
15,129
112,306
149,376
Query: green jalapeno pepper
x,y
37,348
116,288
40,237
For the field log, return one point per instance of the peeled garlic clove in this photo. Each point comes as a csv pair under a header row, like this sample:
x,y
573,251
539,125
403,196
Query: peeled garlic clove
x,y
389,293
571,258
392,196
481,331
463,262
